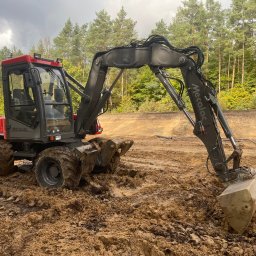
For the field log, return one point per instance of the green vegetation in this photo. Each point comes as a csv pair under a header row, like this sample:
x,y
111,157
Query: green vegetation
x,y
227,38
237,98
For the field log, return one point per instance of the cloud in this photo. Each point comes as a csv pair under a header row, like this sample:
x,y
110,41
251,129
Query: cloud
x,y
6,34
32,20
6,38
23,23
145,12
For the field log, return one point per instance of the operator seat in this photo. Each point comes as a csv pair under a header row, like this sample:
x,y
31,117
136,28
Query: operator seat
x,y
18,96
23,106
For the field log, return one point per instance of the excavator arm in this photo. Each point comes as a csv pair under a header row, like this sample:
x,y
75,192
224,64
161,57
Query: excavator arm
x,y
157,53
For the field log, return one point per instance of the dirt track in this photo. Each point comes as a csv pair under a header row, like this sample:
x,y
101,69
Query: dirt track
x,y
162,201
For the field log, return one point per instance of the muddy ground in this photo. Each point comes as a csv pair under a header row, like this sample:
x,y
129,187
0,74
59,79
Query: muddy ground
x,y
162,201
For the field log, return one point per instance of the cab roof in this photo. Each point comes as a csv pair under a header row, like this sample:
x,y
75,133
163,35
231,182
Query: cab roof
x,y
30,59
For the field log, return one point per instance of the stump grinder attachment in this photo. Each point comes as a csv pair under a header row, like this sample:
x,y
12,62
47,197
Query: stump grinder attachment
x,y
110,151
101,153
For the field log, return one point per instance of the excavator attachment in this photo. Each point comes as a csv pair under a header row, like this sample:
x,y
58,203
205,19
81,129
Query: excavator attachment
x,y
101,153
110,152
238,202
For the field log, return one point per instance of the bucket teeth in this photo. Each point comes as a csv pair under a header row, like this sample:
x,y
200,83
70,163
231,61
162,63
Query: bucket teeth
x,y
238,202
110,148
123,146
87,154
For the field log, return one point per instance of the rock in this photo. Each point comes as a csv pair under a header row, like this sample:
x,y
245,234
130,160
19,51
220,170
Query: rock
x,y
168,251
208,240
249,252
35,218
237,251
189,229
11,198
136,205
17,211
14,212
81,223
48,250
196,239
225,245
32,203
40,203
190,196
17,200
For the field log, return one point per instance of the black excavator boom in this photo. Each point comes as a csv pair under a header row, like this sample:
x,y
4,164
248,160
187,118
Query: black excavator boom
x,y
157,53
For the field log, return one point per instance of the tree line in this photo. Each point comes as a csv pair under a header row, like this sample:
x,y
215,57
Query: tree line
x,y
226,36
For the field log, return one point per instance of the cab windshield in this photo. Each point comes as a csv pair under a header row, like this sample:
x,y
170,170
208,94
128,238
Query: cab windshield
x,y
57,107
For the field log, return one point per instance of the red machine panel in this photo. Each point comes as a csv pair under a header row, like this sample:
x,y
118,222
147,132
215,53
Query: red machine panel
x,y
30,59
2,127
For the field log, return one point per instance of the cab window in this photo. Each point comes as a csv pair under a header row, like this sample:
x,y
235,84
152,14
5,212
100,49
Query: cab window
x,y
22,99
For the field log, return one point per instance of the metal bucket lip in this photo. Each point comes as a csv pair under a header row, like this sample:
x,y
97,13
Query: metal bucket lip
x,y
238,202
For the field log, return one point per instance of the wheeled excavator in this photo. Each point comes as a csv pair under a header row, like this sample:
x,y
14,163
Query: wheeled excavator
x,y
39,123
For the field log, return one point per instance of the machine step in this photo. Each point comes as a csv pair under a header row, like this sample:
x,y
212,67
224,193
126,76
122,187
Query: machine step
x,y
24,154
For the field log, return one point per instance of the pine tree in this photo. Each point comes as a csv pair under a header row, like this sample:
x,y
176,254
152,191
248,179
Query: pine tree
x,y
83,50
123,29
99,33
161,28
123,33
63,42
76,46
214,42
250,44
189,26
238,22
5,52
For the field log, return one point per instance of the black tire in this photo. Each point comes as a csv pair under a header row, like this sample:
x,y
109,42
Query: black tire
x,y
57,167
6,158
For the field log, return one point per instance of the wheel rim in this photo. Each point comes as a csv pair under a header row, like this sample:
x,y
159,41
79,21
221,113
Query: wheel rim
x,y
51,173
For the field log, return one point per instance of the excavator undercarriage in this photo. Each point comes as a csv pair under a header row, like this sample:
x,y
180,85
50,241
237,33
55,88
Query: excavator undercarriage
x,y
40,124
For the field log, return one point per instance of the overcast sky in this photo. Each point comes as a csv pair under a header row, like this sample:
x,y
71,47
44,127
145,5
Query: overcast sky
x,y
24,22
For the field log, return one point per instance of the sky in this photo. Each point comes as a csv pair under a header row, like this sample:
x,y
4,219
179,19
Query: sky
x,y
24,23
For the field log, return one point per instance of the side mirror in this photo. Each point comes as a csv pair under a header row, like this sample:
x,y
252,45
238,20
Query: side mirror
x,y
35,76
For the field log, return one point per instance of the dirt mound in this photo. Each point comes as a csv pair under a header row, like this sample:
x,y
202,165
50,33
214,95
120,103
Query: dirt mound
x,y
162,201
242,123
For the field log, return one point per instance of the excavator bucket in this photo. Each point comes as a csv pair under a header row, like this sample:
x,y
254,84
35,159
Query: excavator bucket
x,y
238,202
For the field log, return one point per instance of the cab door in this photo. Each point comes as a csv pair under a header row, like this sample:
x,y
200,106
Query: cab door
x,y
21,108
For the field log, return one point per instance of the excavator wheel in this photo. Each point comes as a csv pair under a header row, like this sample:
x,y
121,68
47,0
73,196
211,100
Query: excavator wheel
x,y
6,158
57,167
